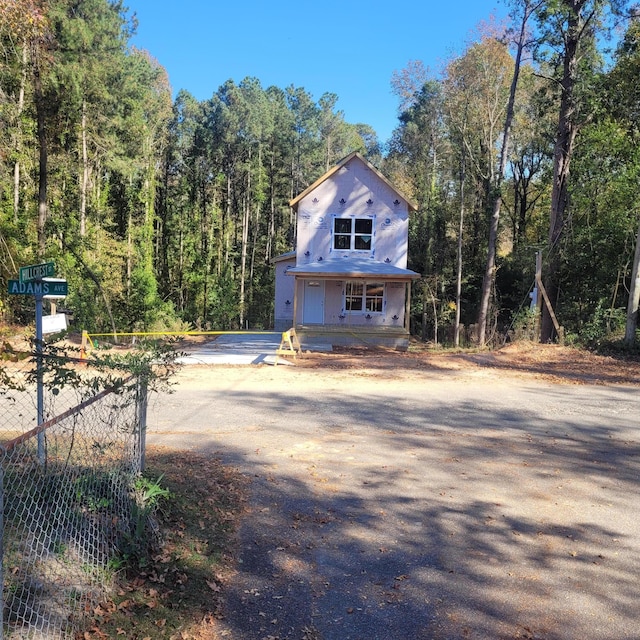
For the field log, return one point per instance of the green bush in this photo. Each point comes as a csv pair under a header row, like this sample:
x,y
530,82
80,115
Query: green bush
x,y
602,325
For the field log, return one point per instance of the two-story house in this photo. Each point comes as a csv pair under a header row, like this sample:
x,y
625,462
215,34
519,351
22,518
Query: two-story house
x,y
347,282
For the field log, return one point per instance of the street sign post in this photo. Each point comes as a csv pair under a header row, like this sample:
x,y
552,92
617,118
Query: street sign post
x,y
35,280
37,271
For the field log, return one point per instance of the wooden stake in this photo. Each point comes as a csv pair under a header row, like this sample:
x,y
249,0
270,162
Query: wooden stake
x,y
538,297
543,291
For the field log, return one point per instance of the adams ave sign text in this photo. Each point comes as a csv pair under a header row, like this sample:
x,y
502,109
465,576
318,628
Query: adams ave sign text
x,y
46,288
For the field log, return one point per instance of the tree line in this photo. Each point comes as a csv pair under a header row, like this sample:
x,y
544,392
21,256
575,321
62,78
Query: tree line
x,y
164,213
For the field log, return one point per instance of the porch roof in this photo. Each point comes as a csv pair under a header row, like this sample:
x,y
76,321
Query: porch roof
x,y
352,268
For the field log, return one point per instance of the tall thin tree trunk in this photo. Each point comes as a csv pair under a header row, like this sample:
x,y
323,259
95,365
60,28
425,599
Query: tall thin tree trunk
x,y
227,221
129,254
434,304
99,286
434,307
85,172
256,228
490,267
180,275
252,260
16,166
327,163
634,297
42,161
16,190
244,241
220,246
425,289
565,138
205,240
129,242
456,328
271,231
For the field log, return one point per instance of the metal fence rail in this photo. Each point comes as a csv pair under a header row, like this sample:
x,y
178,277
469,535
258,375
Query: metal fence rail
x,y
67,489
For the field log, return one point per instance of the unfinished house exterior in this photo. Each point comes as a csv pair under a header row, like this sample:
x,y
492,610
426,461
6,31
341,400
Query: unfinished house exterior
x,y
347,281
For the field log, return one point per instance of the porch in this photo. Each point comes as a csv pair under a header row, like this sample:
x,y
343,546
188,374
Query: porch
x,y
354,336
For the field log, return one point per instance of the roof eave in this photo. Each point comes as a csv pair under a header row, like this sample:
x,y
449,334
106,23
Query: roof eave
x,y
294,203
290,255
354,275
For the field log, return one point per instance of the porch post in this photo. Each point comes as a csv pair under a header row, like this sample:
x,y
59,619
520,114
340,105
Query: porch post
x,y
295,302
407,307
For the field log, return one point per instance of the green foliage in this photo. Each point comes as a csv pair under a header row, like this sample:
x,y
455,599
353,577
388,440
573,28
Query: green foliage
x,y
143,300
163,216
222,303
603,325
154,361
138,542
599,249
523,325
514,281
95,492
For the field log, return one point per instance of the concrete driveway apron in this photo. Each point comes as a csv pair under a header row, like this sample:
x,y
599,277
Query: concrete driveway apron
x,y
235,348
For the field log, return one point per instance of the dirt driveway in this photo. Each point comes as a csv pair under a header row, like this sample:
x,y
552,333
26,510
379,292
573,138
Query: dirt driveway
x,y
403,496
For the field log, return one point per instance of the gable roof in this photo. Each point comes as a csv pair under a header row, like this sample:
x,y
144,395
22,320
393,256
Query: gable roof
x,y
294,203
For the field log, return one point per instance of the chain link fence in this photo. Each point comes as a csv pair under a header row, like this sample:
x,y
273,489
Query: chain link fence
x,y
68,487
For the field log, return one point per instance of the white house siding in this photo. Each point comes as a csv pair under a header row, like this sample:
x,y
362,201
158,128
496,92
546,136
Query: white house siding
x,y
395,292
334,290
364,195
335,315
283,312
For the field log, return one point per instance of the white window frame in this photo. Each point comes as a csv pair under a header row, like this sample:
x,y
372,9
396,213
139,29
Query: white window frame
x,y
353,234
368,298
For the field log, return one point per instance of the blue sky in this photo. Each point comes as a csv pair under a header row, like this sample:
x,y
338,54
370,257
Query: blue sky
x,y
348,47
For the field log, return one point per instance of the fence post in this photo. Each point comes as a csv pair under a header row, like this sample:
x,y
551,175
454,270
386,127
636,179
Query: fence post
x,y
2,452
39,377
142,402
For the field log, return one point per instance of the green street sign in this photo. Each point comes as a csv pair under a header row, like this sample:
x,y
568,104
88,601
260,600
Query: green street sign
x,y
37,272
45,288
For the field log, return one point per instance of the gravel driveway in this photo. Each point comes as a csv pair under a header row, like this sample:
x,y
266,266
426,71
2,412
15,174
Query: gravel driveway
x,y
435,505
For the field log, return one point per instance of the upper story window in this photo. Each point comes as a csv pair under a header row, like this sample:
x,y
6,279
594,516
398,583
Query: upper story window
x,y
353,234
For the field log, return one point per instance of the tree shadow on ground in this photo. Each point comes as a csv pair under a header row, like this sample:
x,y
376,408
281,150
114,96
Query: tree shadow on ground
x,y
381,520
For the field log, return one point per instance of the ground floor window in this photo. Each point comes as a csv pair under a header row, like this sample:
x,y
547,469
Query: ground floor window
x,y
364,297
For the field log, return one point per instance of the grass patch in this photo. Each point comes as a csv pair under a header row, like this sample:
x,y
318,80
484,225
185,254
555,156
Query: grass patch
x,y
177,593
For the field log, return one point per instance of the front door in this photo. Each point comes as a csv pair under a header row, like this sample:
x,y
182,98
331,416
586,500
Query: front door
x,y
313,308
